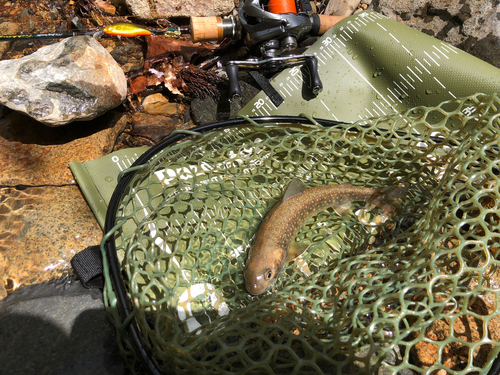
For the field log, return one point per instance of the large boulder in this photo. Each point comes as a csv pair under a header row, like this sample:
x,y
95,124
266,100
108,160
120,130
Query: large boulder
x,y
154,9
75,79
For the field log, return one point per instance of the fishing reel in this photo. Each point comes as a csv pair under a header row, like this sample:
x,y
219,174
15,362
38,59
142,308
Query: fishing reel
x,y
273,28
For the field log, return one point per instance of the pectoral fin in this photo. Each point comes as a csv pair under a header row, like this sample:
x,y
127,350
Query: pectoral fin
x,y
343,209
296,249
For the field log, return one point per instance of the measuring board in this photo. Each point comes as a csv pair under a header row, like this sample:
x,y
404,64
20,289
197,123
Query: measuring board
x,y
98,178
372,66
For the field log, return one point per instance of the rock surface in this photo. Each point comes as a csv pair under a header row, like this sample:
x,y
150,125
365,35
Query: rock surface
x,y
75,79
341,7
7,28
154,9
472,26
42,229
33,154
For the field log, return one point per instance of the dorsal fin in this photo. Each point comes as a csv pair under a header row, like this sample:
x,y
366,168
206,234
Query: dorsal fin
x,y
295,187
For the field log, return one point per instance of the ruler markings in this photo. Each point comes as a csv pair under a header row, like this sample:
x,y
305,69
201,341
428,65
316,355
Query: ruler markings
x,y
394,38
380,109
270,101
281,93
442,53
319,58
345,40
322,102
325,57
409,84
404,92
361,20
374,110
427,62
265,110
369,112
450,47
355,28
452,94
407,50
382,27
393,95
415,74
416,68
430,57
293,84
410,77
437,80
402,84
437,56
288,92
422,65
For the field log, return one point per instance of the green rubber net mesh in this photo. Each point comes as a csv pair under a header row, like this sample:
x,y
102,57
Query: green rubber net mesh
x,y
416,294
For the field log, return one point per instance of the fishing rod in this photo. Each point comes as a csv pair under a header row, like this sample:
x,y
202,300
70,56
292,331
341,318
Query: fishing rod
x,y
116,29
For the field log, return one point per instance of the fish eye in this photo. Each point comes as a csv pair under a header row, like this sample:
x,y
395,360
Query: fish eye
x,y
268,274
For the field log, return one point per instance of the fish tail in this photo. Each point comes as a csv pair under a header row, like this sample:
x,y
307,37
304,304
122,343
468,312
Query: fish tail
x,y
389,198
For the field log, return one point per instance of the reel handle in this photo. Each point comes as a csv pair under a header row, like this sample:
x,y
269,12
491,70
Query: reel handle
x,y
234,87
312,65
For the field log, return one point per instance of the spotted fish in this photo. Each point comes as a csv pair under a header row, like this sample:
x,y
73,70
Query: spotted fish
x,y
274,244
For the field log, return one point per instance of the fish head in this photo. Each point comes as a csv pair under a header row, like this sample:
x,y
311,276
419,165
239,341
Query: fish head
x,y
263,268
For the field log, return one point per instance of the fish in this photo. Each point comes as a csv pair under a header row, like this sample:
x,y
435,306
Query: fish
x,y
274,246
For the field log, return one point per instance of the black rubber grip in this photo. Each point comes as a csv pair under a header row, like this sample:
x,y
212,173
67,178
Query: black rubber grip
x,y
316,25
234,86
312,66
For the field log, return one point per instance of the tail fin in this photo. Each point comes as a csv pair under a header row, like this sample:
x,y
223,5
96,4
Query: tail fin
x,y
389,198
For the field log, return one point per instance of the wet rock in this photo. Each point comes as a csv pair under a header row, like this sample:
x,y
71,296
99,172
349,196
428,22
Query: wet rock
x,y
208,110
468,328
31,154
42,228
341,7
148,130
105,6
157,104
7,28
154,9
75,79
472,26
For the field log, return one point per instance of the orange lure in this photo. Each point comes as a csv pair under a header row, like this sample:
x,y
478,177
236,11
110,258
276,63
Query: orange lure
x,y
126,29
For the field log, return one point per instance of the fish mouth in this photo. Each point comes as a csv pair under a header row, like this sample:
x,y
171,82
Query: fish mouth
x,y
254,289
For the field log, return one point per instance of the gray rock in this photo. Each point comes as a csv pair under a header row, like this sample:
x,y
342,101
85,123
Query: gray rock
x,y
472,26
154,9
75,79
341,7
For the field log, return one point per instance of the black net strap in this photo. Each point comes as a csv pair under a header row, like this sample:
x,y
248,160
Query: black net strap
x,y
87,265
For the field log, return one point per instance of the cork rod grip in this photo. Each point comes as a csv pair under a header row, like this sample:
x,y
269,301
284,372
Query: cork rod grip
x,y
326,22
206,29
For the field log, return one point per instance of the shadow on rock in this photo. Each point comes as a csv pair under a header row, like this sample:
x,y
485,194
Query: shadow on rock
x,y
57,329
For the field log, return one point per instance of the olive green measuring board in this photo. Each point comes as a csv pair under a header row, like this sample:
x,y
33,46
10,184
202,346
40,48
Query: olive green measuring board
x,y
372,66
98,178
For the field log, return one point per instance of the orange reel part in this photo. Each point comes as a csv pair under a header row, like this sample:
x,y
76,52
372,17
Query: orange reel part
x,y
282,6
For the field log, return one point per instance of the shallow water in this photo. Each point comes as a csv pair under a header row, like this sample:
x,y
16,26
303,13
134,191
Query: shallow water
x,y
41,228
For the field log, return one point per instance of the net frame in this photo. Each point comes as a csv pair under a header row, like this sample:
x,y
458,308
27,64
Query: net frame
x,y
108,247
